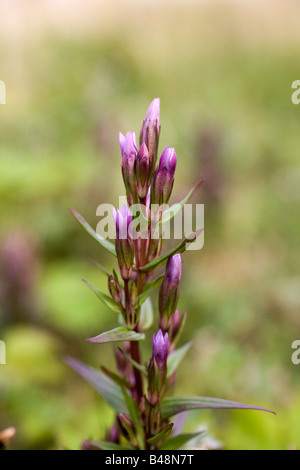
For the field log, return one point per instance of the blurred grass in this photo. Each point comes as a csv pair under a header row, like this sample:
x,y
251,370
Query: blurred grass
x,y
71,87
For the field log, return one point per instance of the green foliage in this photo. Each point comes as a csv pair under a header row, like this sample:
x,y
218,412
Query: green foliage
x,y
118,334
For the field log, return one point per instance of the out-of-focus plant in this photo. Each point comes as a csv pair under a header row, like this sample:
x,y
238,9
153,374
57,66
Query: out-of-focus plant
x,y
139,391
18,266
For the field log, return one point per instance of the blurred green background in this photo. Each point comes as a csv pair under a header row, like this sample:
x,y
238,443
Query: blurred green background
x,y
78,72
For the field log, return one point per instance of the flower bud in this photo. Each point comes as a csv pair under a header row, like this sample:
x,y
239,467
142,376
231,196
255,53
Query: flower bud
x,y
160,344
157,370
142,171
150,132
163,179
129,153
123,219
169,291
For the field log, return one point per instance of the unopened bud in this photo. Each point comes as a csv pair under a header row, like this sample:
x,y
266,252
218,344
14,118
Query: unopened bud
x,y
160,352
150,131
142,171
157,369
163,179
129,153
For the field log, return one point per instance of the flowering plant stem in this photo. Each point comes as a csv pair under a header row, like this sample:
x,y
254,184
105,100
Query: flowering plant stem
x,y
138,390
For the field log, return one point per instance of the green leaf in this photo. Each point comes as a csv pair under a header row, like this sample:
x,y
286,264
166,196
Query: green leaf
x,y
173,210
178,441
161,435
178,249
100,267
148,289
176,357
106,299
173,406
121,381
146,315
105,445
102,241
135,364
111,392
135,418
116,335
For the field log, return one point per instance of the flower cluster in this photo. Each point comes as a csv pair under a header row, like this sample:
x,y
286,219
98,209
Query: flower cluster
x,y
139,391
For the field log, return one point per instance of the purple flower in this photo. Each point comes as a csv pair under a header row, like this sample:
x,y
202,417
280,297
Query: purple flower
x,y
150,131
142,171
123,219
157,370
127,143
168,160
129,153
163,179
160,349
173,272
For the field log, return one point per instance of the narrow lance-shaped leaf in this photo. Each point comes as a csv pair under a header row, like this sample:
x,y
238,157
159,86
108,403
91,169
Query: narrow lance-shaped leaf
x,y
178,249
102,241
135,364
170,213
176,357
134,415
118,334
173,406
106,299
116,378
178,441
100,267
161,435
111,392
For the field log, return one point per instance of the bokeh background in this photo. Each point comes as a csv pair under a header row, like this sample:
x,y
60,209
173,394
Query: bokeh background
x,y
77,73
